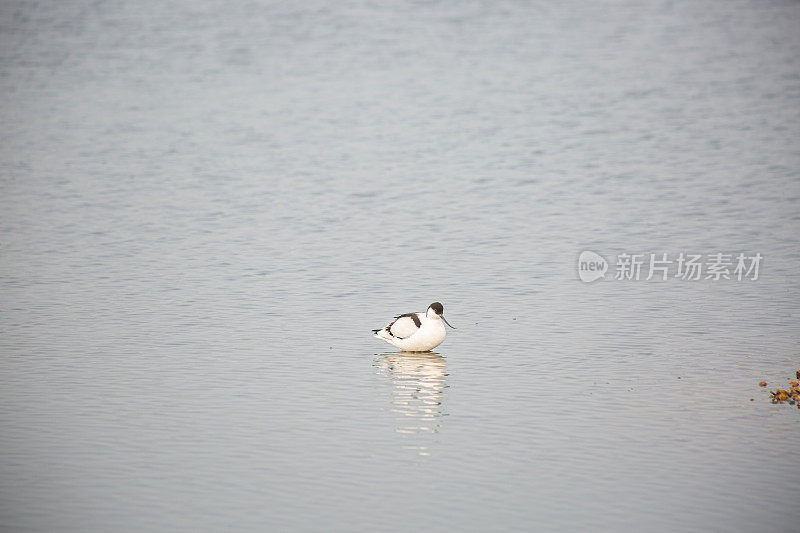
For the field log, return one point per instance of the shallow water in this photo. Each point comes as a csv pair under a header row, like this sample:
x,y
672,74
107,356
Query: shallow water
x,y
206,207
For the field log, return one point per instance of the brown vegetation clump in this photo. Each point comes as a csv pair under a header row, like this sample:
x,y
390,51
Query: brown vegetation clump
x,y
790,395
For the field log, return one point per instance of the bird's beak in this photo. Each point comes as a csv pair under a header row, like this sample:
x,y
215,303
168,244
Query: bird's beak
x,y
446,322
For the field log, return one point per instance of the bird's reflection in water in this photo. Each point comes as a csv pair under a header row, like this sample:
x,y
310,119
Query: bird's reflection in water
x,y
418,381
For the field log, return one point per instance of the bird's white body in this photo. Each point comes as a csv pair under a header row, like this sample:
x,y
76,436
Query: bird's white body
x,y
415,332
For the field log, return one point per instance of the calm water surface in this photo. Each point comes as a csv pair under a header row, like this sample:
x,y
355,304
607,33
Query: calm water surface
x,y
206,206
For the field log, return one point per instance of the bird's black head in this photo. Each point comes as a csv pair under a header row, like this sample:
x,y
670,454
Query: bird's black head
x,y
438,311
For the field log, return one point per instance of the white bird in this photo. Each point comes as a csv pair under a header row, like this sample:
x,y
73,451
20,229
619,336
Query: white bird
x,y
416,332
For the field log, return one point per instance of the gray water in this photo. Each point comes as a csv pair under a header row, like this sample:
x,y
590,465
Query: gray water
x,y
206,206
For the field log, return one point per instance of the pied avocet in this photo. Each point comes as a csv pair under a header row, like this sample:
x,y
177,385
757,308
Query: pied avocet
x,y
416,332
